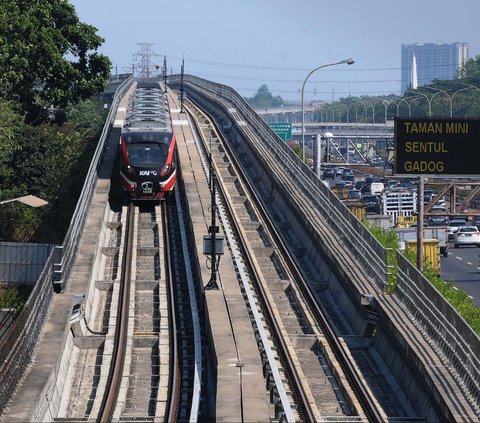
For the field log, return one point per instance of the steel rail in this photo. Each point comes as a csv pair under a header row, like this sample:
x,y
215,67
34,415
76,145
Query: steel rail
x,y
239,261
359,240
174,382
107,407
368,404
355,380
197,339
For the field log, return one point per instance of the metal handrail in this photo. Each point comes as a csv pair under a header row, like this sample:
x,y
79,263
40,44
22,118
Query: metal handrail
x,y
72,238
356,237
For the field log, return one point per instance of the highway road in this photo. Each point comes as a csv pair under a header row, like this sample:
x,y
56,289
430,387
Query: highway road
x,y
463,267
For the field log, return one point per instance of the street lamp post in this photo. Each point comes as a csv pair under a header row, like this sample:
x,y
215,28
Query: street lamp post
x,y
366,114
346,108
348,62
438,91
455,93
429,101
469,85
29,200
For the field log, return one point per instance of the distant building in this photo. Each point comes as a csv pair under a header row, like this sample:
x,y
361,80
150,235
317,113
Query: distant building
x,y
433,61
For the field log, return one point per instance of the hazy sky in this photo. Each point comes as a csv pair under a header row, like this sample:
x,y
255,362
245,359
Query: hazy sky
x,y
247,43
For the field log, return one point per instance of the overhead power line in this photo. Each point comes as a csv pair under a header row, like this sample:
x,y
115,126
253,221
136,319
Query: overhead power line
x,y
290,69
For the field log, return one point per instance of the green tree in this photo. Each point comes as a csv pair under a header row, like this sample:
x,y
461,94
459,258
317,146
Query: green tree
x,y
11,125
13,297
43,159
49,58
86,116
264,99
471,69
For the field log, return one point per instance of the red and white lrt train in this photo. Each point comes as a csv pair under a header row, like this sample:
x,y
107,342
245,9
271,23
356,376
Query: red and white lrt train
x,y
147,145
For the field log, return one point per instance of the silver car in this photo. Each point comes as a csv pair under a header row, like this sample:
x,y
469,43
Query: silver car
x,y
467,235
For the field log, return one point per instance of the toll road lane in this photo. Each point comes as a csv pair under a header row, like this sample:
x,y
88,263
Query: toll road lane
x,y
463,267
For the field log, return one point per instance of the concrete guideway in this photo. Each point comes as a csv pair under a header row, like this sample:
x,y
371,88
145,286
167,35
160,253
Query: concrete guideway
x,y
240,382
395,322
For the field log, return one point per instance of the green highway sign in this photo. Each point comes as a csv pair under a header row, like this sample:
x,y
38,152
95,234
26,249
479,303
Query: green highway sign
x,y
282,129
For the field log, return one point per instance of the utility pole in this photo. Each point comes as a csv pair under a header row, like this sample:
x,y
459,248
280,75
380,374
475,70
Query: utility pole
x,y
165,71
213,244
420,207
182,93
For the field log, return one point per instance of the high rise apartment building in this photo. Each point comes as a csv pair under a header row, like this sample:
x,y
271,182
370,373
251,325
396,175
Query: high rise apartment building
x,y
433,60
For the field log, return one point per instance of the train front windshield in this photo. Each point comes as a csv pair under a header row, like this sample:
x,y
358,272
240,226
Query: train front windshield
x,y
148,154
148,149
147,137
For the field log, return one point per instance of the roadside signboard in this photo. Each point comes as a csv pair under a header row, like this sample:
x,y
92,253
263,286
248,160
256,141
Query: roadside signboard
x,y
437,146
282,129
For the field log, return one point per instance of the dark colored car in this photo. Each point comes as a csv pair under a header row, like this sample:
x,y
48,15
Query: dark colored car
x,y
409,185
438,221
354,194
476,221
329,173
359,184
428,195
372,203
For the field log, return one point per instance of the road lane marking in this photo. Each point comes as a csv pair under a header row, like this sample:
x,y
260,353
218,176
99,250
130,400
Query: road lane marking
x,y
469,263
459,258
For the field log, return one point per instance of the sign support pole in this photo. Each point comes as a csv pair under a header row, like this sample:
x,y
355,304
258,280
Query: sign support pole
x,y
420,207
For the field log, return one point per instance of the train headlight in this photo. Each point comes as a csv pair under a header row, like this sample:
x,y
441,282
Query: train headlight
x,y
165,169
130,170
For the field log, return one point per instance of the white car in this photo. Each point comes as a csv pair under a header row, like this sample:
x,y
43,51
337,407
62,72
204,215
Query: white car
x,y
467,235
454,225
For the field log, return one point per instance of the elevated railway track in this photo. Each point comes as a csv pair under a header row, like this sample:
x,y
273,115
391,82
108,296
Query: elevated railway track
x,y
338,263
299,326
300,329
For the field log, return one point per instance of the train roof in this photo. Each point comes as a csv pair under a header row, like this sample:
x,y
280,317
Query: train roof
x,y
147,84
148,109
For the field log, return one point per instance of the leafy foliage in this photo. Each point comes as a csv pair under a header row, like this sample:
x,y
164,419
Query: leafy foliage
x,y
48,59
11,124
461,97
86,116
48,161
458,298
264,99
37,38
471,70
42,159
13,297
